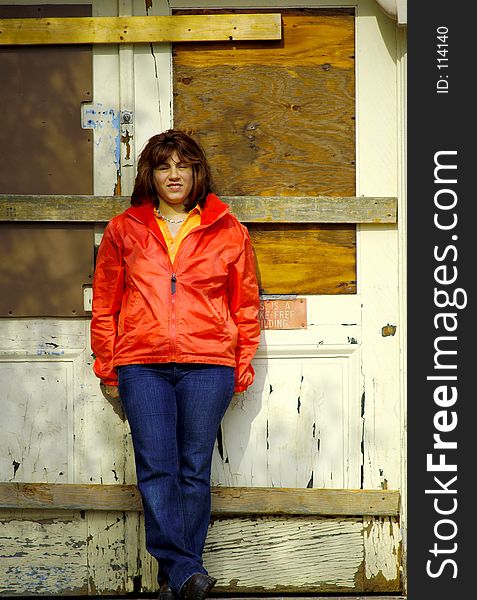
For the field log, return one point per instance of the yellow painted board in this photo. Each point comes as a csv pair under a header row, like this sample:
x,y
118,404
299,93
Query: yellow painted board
x,y
119,30
305,258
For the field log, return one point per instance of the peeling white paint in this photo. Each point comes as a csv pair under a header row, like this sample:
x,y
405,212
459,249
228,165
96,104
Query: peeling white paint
x,y
271,553
382,543
43,558
105,123
299,424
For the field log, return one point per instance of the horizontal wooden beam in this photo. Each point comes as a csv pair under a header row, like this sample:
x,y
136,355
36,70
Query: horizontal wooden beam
x,y
248,209
298,501
321,209
131,30
225,501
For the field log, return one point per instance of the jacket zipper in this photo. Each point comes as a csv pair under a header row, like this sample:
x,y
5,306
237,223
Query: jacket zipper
x,y
173,313
174,278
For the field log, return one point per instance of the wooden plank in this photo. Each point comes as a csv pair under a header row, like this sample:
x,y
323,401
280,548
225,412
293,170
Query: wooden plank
x,y
274,119
305,258
278,120
316,37
42,557
129,30
225,501
290,555
248,209
322,209
58,553
304,501
382,540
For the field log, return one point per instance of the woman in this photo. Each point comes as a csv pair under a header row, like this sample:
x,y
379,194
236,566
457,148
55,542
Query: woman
x,y
174,330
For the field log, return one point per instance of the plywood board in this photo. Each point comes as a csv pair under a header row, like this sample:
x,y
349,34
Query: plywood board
x,y
305,259
44,269
277,119
43,148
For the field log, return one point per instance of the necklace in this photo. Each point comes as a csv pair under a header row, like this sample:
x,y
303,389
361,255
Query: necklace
x,y
161,216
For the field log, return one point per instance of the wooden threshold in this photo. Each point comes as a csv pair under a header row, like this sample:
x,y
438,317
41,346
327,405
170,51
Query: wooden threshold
x,y
146,29
312,596
248,209
226,501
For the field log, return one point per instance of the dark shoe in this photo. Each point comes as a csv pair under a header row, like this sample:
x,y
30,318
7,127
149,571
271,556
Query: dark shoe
x,y
197,587
165,592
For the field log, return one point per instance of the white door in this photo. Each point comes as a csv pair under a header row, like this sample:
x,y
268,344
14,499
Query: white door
x,y
325,411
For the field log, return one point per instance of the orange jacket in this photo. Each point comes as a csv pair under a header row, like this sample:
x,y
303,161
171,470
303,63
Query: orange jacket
x,y
202,308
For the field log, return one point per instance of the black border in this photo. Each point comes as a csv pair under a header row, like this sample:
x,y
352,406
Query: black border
x,y
439,122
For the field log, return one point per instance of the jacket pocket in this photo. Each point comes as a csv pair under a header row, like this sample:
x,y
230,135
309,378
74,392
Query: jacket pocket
x,y
217,314
128,313
220,316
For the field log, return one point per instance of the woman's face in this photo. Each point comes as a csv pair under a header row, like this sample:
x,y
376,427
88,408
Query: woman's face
x,y
173,180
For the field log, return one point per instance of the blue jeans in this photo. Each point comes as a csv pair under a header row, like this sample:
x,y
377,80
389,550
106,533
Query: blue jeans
x,y
174,412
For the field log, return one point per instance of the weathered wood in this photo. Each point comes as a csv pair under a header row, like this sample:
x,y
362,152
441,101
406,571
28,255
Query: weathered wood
x,y
297,555
277,120
225,501
128,30
44,556
300,45
274,119
305,258
248,209
292,555
71,553
323,209
382,539
306,501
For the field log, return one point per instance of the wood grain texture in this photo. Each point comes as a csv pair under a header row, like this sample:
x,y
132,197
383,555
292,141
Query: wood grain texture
x,y
289,555
305,259
310,36
277,120
270,130
129,30
77,553
43,556
225,501
248,209
274,119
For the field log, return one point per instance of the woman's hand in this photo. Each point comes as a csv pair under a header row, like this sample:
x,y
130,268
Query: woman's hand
x,y
110,391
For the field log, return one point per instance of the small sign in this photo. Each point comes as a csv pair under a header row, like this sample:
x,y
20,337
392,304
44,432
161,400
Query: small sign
x,y
283,314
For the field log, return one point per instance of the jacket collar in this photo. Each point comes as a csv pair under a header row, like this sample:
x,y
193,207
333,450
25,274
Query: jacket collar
x,y
213,210
144,213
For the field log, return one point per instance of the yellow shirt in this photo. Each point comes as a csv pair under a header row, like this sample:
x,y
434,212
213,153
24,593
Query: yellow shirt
x,y
191,222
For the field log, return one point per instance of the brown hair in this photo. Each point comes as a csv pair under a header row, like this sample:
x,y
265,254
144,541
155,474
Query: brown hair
x,y
156,152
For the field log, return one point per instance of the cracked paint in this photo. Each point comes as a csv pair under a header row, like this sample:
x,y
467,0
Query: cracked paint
x,y
16,466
